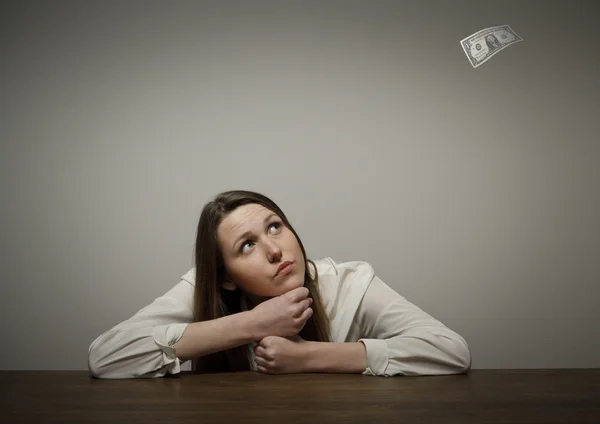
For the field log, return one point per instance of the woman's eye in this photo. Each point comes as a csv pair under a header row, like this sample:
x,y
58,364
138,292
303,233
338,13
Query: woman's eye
x,y
276,224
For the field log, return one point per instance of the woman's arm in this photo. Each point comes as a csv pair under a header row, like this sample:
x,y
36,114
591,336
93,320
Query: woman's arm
x,y
141,346
215,335
345,358
400,338
160,337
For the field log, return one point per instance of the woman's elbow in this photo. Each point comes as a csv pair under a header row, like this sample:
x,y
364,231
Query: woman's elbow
x,y
465,356
147,362
94,370
457,353
95,365
101,361
460,354
106,370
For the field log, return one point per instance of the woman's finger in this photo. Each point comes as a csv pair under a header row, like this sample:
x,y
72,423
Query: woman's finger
x,y
260,351
260,361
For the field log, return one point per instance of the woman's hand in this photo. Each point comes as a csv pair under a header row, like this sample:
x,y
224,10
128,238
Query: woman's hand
x,y
282,316
281,355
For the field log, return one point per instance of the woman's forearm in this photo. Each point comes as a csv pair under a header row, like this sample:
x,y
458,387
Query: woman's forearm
x,y
206,337
336,357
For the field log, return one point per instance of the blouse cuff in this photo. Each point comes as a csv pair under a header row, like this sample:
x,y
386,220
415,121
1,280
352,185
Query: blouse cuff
x,y
377,356
165,336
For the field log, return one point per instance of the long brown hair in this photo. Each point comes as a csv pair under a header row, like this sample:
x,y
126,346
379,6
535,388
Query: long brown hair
x,y
211,301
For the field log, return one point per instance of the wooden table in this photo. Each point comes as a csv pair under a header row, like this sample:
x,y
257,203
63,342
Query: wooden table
x,y
482,396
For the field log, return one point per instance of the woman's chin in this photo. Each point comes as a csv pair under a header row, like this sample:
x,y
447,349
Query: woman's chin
x,y
293,282
286,286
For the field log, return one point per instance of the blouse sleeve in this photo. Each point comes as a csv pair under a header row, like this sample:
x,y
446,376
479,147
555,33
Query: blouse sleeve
x,y
401,339
142,346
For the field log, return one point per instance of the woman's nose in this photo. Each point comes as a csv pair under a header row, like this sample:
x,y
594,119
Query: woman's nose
x,y
273,249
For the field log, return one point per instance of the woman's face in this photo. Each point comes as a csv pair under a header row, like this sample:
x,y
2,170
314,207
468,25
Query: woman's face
x,y
254,241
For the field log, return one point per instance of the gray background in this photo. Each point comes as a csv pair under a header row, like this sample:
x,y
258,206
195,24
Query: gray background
x,y
473,192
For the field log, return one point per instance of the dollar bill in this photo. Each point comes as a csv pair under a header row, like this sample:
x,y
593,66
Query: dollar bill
x,y
482,45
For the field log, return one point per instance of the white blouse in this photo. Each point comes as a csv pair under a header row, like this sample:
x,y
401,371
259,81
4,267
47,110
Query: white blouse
x,y
400,338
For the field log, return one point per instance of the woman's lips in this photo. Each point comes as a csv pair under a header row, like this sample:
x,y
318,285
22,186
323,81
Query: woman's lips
x,y
286,269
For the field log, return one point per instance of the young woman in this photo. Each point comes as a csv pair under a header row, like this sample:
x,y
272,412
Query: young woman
x,y
254,301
